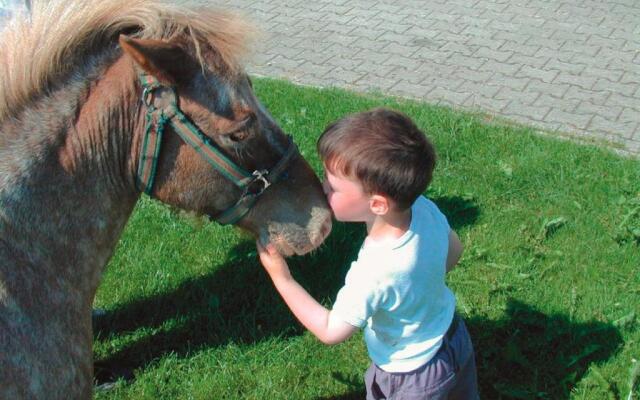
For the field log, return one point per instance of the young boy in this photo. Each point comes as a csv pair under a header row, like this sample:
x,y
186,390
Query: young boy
x,y
377,165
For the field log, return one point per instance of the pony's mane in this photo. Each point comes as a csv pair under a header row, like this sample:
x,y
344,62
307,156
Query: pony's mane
x,y
38,49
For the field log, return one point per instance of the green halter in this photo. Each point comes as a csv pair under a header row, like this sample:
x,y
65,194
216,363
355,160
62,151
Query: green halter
x,y
253,184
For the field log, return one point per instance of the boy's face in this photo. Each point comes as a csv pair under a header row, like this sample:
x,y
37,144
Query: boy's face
x,y
346,197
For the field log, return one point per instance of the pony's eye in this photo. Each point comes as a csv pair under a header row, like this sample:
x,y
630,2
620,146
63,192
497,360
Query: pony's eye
x,y
241,130
239,136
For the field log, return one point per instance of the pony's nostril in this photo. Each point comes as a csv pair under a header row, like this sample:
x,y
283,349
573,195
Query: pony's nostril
x,y
326,228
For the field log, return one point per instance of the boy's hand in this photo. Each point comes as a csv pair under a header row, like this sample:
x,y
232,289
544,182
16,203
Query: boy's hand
x,y
273,262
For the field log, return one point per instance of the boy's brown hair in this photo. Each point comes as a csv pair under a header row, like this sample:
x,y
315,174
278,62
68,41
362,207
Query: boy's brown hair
x,y
382,149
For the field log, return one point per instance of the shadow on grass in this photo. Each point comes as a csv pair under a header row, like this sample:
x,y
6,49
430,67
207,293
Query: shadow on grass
x,y
235,303
460,211
529,354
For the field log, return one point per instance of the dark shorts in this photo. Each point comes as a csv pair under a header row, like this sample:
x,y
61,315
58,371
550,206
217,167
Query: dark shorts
x,y
450,374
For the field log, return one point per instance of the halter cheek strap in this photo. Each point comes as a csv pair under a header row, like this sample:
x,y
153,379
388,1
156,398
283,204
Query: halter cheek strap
x,y
253,184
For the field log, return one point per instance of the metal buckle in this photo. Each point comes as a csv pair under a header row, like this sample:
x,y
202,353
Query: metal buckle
x,y
258,176
261,175
167,96
147,97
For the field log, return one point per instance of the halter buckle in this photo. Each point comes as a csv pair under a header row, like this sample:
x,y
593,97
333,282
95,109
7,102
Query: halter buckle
x,y
165,95
259,176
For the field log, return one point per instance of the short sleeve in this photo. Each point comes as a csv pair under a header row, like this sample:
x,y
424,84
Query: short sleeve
x,y
359,298
438,216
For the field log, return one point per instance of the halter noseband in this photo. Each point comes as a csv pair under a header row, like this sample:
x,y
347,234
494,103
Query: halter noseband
x,y
252,184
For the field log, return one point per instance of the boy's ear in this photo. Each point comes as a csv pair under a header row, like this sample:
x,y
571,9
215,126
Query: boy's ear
x,y
163,60
379,204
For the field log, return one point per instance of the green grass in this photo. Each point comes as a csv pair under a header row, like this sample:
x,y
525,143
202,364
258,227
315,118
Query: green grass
x,y
549,283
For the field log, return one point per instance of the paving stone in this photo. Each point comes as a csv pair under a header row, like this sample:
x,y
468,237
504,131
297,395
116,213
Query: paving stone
x,y
593,96
480,32
542,42
372,82
516,48
316,70
617,99
439,56
396,38
377,57
610,75
346,63
612,113
485,42
583,82
625,129
314,56
556,90
510,36
444,95
535,113
508,81
402,61
284,62
562,104
543,75
422,31
580,48
626,89
283,50
629,115
571,119
480,89
344,75
503,68
411,90
368,43
395,48
477,101
533,62
564,67
498,55
471,63
459,48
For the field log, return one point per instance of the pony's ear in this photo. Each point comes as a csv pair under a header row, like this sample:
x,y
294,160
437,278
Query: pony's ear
x,y
163,60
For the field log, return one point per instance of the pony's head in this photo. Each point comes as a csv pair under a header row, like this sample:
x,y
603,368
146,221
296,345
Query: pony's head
x,y
222,155
128,60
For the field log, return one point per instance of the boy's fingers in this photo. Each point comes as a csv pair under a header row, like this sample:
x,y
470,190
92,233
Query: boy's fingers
x,y
270,249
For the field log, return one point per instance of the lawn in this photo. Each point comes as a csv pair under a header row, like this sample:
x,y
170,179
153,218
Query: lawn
x,y
549,283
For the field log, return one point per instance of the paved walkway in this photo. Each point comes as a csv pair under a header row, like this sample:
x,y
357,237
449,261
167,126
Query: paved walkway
x,y
563,66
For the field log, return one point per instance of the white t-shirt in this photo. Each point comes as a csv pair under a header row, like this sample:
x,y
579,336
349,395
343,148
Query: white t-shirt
x,y
396,290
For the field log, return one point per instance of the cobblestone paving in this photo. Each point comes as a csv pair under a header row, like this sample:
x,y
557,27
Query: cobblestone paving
x,y
562,66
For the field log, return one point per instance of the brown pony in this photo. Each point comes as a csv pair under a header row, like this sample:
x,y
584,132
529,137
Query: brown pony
x,y
77,140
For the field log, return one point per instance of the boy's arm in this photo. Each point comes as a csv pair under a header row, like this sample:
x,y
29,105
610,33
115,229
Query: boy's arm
x,y
455,250
308,311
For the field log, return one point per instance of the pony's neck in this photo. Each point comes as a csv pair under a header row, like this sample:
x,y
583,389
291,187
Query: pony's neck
x,y
71,189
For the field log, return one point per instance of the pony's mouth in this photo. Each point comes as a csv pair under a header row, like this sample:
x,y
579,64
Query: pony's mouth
x,y
281,245
288,247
